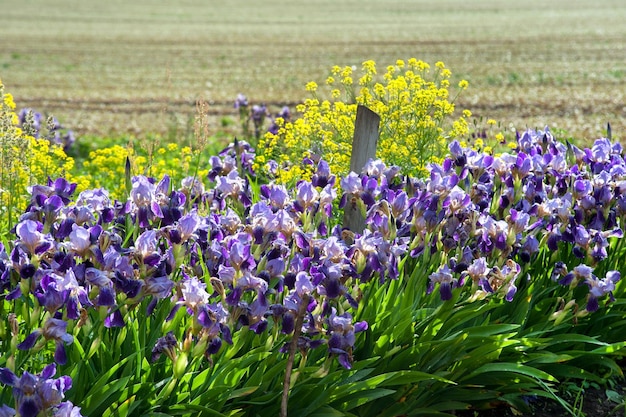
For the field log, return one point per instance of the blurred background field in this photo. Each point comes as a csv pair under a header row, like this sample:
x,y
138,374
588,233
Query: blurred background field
x,y
116,67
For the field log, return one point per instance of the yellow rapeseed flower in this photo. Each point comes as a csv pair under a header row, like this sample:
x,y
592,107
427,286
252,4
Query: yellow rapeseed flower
x,y
414,127
8,101
369,67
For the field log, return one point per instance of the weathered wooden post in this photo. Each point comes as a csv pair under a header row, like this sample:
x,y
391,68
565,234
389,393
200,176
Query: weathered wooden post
x,y
363,149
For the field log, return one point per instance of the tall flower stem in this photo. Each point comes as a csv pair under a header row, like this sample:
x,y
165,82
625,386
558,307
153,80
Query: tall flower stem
x,y
293,346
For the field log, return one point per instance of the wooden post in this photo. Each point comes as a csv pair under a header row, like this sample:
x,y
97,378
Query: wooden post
x,y
363,149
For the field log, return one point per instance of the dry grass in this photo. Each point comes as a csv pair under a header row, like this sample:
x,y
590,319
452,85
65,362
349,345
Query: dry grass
x,y
111,66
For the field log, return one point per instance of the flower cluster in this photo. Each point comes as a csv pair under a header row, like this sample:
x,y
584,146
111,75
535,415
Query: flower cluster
x,y
258,114
227,254
487,215
414,108
24,159
35,394
219,259
106,166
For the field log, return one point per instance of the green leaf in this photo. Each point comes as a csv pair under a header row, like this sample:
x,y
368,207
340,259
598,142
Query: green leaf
x,y
513,368
96,404
104,388
181,410
355,400
242,392
613,348
327,411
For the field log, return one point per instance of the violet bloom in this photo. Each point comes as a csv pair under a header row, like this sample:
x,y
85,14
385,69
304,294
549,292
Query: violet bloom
x,y
322,176
83,240
59,187
165,345
192,187
144,202
188,224
6,411
351,186
277,195
231,185
146,246
342,336
53,329
56,291
258,115
31,238
241,101
35,394
446,282
67,409
191,293
600,287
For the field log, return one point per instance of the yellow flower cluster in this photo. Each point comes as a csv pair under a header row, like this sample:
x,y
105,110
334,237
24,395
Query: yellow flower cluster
x,y
24,161
106,166
414,106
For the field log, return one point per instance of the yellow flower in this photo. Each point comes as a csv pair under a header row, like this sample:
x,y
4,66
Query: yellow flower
x,y
463,84
8,101
311,86
414,126
369,67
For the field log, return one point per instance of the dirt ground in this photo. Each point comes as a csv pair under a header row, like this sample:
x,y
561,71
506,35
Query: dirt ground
x,y
123,67
592,403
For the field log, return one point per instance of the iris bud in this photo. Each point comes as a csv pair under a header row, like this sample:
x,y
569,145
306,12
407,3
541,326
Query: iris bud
x,y
180,366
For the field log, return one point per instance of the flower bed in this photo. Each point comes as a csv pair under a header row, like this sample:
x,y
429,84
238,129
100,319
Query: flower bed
x,y
495,279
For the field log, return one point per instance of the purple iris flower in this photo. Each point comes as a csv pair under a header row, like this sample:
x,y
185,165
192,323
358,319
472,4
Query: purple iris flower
x,y
54,329
35,394
160,287
231,185
67,409
258,114
146,246
6,411
31,237
446,282
165,345
80,240
600,287
97,200
322,176
192,187
192,293
342,336
241,101
144,202
306,196
59,187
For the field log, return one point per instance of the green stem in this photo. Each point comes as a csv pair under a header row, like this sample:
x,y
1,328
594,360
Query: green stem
x,y
293,346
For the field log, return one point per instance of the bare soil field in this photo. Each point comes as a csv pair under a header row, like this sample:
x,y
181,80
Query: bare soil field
x,y
111,67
